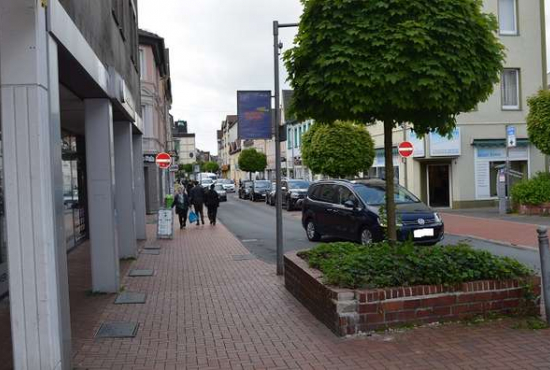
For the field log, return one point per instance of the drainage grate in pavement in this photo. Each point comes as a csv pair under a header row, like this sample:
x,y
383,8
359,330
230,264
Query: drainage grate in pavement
x,y
130,298
135,273
152,247
243,257
117,330
151,252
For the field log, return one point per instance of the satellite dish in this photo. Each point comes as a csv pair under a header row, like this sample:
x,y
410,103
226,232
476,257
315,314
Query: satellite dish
x,y
190,155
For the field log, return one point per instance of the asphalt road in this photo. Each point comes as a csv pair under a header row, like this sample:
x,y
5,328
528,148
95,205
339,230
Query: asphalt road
x,y
254,225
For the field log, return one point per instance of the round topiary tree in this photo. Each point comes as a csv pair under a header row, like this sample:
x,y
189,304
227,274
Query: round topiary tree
x,y
211,167
395,61
538,121
341,149
250,160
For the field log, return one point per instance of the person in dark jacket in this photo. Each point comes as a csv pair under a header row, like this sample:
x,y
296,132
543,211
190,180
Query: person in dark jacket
x,y
196,197
181,202
212,203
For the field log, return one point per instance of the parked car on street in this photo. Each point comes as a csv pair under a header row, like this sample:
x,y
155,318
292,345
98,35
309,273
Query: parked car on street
x,y
292,191
351,210
245,189
221,192
260,188
270,195
227,184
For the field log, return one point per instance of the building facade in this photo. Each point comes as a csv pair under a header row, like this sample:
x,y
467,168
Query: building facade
x,y
462,172
72,132
156,102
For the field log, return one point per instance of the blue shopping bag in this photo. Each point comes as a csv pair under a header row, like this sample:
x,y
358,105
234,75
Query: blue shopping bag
x,y
192,217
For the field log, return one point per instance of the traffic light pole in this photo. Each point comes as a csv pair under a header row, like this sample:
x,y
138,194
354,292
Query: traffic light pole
x,y
277,134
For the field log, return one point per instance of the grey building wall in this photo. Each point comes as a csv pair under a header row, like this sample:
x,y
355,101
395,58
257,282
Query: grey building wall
x,y
96,22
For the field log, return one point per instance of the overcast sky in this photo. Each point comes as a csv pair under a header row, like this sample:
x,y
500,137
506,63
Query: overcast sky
x,y
216,48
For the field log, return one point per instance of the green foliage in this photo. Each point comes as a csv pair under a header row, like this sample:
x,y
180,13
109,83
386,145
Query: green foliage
x,y
250,160
534,191
382,265
340,149
211,167
401,61
188,168
538,121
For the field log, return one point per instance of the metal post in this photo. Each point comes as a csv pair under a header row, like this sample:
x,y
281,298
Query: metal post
x,y
545,268
507,193
278,197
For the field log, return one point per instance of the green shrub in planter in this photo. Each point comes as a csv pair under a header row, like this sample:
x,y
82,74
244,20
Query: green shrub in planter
x,y
381,265
534,191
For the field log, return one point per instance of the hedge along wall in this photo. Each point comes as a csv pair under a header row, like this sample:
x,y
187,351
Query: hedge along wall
x,y
347,311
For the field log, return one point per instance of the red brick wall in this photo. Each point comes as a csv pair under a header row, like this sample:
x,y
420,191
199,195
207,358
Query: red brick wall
x,y
353,311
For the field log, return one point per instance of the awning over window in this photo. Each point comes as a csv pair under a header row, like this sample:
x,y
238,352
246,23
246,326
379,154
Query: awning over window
x,y
498,142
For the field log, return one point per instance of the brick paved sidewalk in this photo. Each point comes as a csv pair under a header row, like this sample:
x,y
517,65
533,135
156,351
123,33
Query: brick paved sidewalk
x,y
508,232
206,310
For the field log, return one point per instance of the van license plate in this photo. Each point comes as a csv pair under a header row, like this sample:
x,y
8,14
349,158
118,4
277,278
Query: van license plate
x,y
422,233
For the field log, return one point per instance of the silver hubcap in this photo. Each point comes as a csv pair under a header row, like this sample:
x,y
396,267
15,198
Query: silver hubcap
x,y
311,230
366,237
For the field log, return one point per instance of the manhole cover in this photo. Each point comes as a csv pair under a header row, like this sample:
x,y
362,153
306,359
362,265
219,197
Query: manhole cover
x,y
130,298
243,257
135,273
117,330
152,247
151,252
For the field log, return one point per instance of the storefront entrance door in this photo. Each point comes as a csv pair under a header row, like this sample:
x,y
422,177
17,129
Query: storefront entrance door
x,y
439,186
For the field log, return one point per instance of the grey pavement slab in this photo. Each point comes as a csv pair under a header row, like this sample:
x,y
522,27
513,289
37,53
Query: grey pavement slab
x,y
243,257
138,273
117,330
130,298
152,247
151,252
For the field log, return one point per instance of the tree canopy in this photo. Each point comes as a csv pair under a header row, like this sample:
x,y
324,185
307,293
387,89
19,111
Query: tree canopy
x,y
211,167
417,61
538,121
341,149
250,160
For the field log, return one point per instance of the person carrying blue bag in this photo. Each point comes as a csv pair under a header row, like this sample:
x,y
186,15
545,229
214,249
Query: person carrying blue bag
x,y
196,196
181,202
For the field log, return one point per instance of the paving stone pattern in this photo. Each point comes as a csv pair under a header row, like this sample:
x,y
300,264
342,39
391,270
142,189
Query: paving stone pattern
x,y
206,311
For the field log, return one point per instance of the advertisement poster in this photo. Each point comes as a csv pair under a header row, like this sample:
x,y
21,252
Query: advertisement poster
x,y
441,146
165,225
254,111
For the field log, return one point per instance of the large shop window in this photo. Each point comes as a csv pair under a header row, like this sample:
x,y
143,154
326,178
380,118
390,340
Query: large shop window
x,y
507,17
510,89
378,169
73,190
487,163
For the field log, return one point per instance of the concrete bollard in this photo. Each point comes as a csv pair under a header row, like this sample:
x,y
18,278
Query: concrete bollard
x,y
544,250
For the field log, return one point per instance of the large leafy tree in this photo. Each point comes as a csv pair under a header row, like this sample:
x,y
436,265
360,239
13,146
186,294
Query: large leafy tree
x,y
341,149
538,121
393,61
250,160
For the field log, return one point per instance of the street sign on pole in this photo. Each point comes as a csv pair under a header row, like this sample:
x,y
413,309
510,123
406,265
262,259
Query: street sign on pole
x,y
163,160
511,141
406,149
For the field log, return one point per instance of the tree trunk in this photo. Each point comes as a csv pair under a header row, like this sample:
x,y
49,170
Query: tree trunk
x,y
390,182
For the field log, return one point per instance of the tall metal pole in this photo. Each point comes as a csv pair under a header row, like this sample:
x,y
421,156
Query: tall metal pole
x,y
545,269
278,195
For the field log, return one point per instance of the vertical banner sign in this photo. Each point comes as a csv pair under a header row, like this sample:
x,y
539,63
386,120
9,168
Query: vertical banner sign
x,y
165,224
254,111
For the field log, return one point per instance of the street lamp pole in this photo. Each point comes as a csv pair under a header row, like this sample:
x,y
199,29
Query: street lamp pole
x,y
277,132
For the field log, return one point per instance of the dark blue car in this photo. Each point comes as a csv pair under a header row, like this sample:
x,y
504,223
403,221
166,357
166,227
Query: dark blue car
x,y
351,210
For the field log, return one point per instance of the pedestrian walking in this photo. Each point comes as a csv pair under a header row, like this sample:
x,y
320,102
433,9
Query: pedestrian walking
x,y
181,203
196,197
212,203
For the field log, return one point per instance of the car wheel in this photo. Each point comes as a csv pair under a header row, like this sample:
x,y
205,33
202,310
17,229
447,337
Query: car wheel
x,y
365,236
311,231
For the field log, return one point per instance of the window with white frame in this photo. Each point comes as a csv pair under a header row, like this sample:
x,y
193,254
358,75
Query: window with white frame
x,y
507,17
510,88
142,64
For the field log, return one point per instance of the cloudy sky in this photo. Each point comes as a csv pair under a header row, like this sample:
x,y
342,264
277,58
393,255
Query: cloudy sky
x,y
216,48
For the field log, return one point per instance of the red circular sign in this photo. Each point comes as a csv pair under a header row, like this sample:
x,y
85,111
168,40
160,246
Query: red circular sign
x,y
406,149
163,160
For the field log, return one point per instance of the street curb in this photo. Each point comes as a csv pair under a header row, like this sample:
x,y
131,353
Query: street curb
x,y
499,242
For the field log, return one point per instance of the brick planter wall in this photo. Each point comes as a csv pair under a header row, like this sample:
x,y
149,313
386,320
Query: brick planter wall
x,y
531,210
347,311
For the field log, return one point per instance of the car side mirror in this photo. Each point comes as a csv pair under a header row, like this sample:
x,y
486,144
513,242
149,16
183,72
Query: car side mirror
x,y
350,204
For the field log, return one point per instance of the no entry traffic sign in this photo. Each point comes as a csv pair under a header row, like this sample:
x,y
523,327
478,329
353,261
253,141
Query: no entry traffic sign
x,y
406,149
163,160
